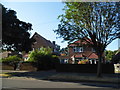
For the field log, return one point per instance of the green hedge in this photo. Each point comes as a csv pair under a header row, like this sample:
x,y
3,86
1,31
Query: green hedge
x,y
11,59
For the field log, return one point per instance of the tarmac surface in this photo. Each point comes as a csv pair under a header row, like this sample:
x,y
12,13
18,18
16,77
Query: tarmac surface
x,y
110,80
61,76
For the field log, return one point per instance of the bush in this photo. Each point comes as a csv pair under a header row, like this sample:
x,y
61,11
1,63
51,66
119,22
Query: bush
x,y
44,58
86,61
12,61
14,58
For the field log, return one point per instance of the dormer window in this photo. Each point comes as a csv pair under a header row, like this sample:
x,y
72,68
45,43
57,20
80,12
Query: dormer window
x,y
78,49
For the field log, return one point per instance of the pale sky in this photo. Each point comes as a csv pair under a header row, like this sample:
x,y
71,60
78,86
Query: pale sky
x,y
43,17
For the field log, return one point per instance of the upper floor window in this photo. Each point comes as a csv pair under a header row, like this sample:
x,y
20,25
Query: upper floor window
x,y
78,49
93,50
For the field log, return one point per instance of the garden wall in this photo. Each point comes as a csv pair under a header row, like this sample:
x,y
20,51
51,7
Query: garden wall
x,y
28,66
6,66
84,68
23,66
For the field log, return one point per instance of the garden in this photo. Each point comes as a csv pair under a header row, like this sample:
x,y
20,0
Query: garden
x,y
42,59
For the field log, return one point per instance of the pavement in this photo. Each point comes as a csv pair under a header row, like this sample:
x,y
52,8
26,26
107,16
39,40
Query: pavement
x,y
61,76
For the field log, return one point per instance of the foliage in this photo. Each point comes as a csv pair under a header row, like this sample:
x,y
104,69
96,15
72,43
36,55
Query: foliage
x,y
15,33
109,54
55,59
94,22
86,61
64,51
43,58
14,58
37,54
0,60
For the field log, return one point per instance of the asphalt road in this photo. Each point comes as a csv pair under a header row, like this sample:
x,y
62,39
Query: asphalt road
x,y
19,84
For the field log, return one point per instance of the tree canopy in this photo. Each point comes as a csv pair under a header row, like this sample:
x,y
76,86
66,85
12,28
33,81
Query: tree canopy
x,y
94,22
109,54
15,33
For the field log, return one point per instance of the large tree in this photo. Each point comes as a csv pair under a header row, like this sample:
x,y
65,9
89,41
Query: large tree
x,y
94,22
109,54
15,33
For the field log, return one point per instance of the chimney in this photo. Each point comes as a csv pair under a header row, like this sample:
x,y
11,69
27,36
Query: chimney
x,y
54,42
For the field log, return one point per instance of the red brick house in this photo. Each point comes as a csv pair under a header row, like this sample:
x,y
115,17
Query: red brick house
x,y
42,42
78,51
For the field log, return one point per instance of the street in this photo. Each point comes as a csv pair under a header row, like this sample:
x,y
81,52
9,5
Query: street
x,y
27,84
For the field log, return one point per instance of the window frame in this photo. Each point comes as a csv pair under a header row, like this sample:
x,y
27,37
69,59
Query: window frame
x,y
78,49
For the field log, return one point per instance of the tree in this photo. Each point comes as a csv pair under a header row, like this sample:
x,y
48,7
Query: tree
x,y
94,22
109,54
15,33
64,51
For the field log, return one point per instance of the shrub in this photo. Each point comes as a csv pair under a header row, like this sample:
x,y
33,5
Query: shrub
x,y
55,60
44,58
14,58
12,61
86,61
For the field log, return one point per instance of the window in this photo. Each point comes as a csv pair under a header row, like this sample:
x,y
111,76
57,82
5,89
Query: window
x,y
78,49
93,50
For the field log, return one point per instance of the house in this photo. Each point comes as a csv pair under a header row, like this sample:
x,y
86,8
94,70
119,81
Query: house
x,y
6,54
78,51
42,42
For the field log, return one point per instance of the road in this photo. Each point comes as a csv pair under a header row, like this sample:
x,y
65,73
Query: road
x,y
23,84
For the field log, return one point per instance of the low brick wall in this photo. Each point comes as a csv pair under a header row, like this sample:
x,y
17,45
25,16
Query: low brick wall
x,y
28,66
23,66
6,66
84,68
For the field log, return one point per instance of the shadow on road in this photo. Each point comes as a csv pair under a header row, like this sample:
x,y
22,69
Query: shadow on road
x,y
33,74
44,75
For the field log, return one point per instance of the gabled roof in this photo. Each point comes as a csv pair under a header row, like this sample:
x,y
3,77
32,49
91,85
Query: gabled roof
x,y
79,42
93,56
41,41
88,55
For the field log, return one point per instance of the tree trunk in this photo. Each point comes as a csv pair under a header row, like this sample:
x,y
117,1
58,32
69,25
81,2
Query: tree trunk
x,y
99,68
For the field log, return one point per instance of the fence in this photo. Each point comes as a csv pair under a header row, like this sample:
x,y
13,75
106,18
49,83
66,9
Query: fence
x,y
84,68
79,68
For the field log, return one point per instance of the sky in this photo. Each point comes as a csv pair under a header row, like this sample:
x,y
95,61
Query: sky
x,y
43,17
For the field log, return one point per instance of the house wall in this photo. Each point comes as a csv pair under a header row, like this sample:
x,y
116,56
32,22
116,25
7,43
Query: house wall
x,y
41,42
86,50
4,54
